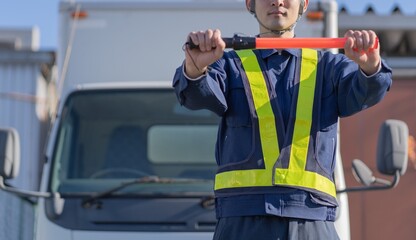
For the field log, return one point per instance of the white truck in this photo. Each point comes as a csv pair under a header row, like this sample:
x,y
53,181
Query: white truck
x,y
124,160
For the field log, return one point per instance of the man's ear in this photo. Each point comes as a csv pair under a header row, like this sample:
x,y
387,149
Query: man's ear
x,y
305,6
250,5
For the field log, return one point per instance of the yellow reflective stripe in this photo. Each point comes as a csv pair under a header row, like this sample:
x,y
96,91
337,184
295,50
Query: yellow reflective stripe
x,y
267,128
305,179
243,178
296,175
267,125
304,108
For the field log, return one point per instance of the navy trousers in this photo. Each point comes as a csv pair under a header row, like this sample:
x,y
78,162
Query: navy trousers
x,y
273,228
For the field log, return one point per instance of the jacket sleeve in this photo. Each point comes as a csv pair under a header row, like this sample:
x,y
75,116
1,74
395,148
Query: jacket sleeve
x,y
206,92
356,91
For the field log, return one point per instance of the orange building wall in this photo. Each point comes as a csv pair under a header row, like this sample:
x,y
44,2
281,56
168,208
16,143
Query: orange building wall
x,y
389,214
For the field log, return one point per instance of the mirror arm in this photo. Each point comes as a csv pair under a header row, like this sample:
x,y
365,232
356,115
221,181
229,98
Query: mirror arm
x,y
23,193
396,179
386,185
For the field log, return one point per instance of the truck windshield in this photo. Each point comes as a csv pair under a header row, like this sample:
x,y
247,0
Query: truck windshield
x,y
108,137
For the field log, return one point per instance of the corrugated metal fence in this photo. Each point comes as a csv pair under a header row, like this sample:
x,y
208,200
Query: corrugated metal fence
x,y
26,98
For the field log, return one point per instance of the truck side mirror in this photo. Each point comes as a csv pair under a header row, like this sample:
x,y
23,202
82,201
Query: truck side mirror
x,y
392,157
392,147
362,172
10,163
9,153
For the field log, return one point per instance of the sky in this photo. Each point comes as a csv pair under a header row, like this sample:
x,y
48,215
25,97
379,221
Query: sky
x,y
29,13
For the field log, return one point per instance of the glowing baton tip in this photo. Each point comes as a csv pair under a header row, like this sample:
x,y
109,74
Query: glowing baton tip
x,y
283,43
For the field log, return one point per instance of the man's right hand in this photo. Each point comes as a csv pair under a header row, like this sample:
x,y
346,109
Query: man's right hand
x,y
210,49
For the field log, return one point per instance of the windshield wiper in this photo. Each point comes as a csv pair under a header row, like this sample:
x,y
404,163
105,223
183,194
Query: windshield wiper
x,y
87,203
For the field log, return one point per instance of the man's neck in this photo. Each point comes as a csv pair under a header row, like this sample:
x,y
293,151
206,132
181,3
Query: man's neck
x,y
268,34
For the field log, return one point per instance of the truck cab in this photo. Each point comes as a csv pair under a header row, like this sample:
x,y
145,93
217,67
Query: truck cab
x,y
128,158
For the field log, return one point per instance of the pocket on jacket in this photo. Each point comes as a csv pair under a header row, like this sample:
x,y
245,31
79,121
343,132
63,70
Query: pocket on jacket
x,y
326,140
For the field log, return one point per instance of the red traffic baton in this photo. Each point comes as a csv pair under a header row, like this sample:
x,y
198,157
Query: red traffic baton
x,y
238,42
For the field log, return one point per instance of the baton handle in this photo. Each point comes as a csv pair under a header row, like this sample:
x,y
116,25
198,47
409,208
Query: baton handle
x,y
235,43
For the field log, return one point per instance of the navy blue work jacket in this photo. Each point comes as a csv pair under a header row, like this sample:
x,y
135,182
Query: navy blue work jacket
x,y
346,90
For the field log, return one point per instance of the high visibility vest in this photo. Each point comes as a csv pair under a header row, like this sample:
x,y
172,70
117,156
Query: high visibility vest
x,y
288,170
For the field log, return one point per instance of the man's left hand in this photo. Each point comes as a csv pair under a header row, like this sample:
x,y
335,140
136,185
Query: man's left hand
x,y
363,48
